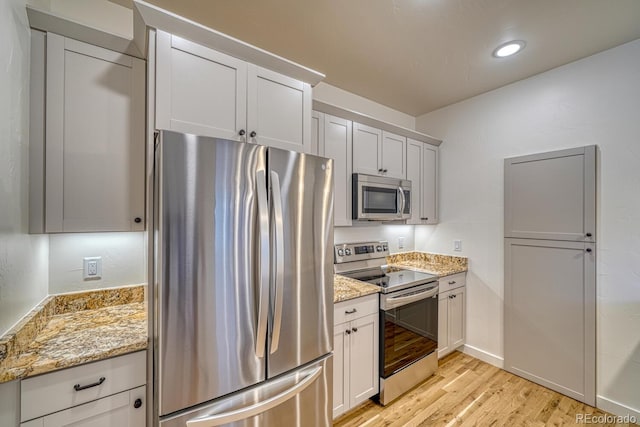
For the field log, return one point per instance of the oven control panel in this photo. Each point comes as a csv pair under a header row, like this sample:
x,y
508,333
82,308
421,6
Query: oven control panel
x,y
347,252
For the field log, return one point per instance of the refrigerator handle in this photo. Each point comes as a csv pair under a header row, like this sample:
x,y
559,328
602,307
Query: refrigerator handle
x,y
263,273
258,408
276,204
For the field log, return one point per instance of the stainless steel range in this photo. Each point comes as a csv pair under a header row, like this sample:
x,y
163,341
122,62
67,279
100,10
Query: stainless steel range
x,y
408,315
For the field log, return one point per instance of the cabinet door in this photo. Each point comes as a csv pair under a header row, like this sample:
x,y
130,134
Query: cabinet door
x,y
414,174
115,410
199,90
443,324
551,196
278,110
364,377
95,117
394,155
429,187
367,149
340,368
456,317
337,145
317,131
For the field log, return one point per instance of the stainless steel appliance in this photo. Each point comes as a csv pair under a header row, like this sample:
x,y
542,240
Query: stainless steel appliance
x,y
379,198
243,312
408,315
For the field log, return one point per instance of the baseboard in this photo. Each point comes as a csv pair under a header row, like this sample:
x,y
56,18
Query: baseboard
x,y
485,356
616,408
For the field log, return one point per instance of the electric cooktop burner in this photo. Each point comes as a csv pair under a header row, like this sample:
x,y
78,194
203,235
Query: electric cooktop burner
x,y
392,279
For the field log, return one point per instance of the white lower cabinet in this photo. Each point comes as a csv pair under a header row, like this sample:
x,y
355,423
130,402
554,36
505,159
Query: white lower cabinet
x,y
107,393
355,352
451,314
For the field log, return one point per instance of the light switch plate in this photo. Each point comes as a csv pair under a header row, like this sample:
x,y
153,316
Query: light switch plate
x,y
400,242
92,268
457,245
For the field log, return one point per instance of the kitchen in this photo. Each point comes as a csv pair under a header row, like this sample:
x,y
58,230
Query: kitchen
x,y
590,101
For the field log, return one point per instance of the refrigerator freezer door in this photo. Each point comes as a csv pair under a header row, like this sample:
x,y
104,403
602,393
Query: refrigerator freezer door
x,y
301,327
209,258
299,399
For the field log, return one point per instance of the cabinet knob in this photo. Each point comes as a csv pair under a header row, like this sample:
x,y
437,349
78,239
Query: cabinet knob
x,y
385,171
380,170
348,332
588,249
354,329
450,296
588,234
137,220
137,403
253,134
241,132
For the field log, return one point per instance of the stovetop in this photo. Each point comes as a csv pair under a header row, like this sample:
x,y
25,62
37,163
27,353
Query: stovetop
x,y
392,279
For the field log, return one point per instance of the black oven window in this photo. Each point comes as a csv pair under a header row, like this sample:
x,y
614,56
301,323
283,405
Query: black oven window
x,y
408,334
379,200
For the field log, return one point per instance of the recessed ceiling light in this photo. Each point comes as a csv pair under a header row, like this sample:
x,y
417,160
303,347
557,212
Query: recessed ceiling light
x,y
509,48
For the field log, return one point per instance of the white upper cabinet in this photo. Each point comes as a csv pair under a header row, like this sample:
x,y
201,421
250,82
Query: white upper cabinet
x,y
94,118
336,144
377,152
394,150
422,171
199,90
202,91
279,110
367,150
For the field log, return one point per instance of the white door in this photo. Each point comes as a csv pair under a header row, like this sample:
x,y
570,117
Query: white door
x,y
199,90
95,117
551,195
456,318
429,187
364,374
337,145
549,316
278,110
443,324
394,155
367,150
116,410
414,174
340,368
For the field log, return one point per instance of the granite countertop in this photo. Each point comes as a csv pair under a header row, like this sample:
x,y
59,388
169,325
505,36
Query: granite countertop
x,y
440,265
72,329
345,288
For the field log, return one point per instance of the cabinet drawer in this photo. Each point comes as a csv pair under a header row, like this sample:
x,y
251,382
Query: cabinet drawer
x,y
353,309
451,282
56,391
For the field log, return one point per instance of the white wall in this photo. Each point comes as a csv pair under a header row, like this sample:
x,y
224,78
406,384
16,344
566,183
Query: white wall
x,y
333,95
592,101
23,257
123,260
369,232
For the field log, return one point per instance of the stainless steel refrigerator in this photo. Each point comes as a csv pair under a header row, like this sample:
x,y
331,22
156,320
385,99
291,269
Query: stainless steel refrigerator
x,y
243,284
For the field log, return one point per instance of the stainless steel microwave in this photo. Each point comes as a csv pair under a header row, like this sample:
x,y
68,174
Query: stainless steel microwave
x,y
379,198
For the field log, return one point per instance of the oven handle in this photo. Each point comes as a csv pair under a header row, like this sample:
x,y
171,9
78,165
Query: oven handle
x,y
393,302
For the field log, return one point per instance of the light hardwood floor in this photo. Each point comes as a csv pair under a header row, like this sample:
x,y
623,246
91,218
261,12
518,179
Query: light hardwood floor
x,y
466,391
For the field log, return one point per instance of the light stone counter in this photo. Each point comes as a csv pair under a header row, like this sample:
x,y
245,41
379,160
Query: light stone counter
x,y
72,329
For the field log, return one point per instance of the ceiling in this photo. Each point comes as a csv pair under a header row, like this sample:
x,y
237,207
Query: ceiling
x,y
419,55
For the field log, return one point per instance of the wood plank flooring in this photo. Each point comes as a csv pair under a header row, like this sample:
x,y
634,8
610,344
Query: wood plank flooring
x,y
468,392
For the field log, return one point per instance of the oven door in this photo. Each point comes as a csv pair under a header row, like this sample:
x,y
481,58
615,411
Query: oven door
x,y
409,327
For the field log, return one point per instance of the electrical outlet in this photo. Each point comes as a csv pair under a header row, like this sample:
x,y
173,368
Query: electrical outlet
x,y
400,242
92,268
457,245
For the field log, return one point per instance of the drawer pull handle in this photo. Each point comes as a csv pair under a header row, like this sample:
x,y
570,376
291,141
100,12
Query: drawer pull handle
x,y
350,311
79,387
453,282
